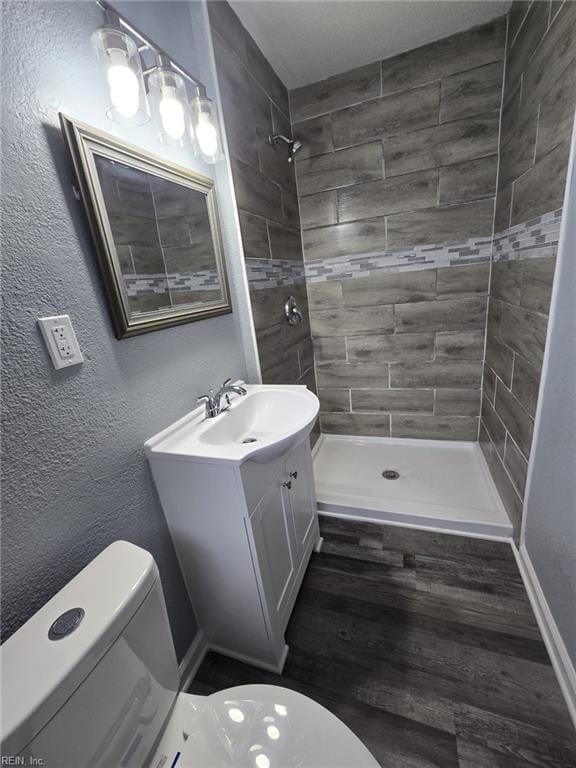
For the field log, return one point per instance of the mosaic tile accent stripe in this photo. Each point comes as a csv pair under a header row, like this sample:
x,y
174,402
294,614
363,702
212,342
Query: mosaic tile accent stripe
x,y
161,283
274,273
473,251
534,239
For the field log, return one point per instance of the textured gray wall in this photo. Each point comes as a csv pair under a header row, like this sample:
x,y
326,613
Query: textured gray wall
x,y
75,477
550,512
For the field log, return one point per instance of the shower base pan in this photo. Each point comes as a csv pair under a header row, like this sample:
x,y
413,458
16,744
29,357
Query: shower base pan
x,y
440,485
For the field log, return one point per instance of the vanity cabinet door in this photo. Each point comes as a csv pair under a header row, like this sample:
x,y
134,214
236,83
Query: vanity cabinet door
x,y
301,496
271,530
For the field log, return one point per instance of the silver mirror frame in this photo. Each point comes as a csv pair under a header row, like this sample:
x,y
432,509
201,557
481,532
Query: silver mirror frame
x,y
83,142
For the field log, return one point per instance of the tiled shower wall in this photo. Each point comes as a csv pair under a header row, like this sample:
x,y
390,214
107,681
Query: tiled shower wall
x,y
255,104
397,182
538,111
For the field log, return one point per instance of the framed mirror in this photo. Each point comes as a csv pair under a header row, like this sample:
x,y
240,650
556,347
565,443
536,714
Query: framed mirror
x,y
156,230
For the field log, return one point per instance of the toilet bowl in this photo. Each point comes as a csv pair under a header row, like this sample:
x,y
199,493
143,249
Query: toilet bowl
x,y
91,680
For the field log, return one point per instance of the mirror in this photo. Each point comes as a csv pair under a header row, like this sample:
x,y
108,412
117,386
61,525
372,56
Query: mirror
x,y
156,230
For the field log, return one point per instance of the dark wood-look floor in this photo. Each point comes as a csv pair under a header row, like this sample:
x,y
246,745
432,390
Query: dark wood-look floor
x,y
426,646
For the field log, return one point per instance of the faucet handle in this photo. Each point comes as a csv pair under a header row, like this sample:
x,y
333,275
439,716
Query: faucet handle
x,y
228,381
206,398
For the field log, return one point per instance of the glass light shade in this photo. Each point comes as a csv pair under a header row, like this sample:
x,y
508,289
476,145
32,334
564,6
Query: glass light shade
x,y
169,102
121,73
206,129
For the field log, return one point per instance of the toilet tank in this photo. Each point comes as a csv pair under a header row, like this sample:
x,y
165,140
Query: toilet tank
x,y
91,678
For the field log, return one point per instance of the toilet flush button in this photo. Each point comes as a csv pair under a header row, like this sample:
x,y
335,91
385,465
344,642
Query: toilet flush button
x,y
66,623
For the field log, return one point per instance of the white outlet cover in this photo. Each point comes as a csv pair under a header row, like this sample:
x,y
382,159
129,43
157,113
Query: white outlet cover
x,y
61,341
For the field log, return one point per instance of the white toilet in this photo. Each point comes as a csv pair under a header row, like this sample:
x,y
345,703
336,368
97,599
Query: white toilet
x,y
91,680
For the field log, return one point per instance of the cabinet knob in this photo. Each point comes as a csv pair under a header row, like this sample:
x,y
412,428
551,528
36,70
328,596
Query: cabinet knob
x,y
287,484
293,474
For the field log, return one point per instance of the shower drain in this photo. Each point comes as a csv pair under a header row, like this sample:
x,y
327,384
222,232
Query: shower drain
x,y
390,474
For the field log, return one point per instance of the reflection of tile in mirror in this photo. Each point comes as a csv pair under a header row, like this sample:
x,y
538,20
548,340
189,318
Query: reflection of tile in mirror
x,y
148,301
171,199
186,259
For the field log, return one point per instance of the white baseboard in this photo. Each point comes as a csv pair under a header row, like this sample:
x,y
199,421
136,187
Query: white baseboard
x,y
193,658
555,646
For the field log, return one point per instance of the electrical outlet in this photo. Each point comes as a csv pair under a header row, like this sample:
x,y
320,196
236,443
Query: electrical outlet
x,y
61,341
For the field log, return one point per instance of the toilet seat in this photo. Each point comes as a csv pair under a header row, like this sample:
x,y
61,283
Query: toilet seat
x,y
257,726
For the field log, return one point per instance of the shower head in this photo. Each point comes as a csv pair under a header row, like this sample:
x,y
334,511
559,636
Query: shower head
x,y
293,144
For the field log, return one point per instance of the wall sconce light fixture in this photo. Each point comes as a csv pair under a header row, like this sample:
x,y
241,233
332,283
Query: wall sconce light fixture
x,y
133,92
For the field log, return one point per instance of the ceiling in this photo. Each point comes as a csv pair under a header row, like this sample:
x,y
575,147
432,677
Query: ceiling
x,y
308,40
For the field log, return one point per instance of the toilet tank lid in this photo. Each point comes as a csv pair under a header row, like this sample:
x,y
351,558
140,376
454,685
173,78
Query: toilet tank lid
x,y
41,668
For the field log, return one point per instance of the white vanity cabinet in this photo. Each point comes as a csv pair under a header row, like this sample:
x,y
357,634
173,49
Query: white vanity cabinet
x,y
243,536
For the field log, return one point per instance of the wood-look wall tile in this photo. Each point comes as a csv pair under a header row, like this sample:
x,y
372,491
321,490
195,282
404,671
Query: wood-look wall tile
x,y
264,74
457,402
506,282
494,322
534,28
510,498
459,345
555,54
255,193
445,315
462,281
470,180
433,427
325,295
516,17
448,143
254,236
557,114
290,211
334,400
457,53
280,122
315,135
330,349
454,223
503,212
537,280
500,358
525,333
367,425
285,243
319,210
453,374
340,169
398,113
541,189
335,92
494,425
471,92
511,102
515,418
517,156
240,88
241,133
274,165
393,400
344,239
305,351
352,375
391,288
525,385
516,465
391,348
489,383
347,321
378,198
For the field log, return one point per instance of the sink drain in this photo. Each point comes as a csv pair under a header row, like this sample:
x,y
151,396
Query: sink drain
x,y
250,440
390,474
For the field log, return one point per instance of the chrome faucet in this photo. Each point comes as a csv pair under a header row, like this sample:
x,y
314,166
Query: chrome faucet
x,y
214,401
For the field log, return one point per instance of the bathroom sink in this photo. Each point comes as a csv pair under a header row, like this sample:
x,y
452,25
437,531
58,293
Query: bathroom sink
x,y
258,426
